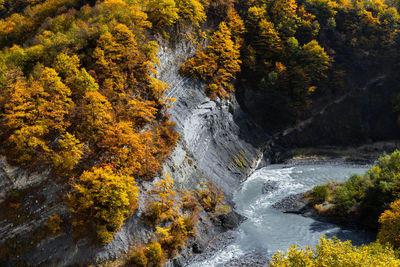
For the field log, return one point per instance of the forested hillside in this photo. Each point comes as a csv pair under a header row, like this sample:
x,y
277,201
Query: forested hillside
x,y
80,97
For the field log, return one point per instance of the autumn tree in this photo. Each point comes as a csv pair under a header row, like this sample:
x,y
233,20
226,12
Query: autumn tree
x,y
218,64
166,193
324,10
131,150
227,56
390,225
154,254
35,113
94,116
236,25
268,43
141,111
309,27
191,10
67,153
162,209
80,97
76,78
123,70
174,237
101,201
314,60
129,13
284,16
163,12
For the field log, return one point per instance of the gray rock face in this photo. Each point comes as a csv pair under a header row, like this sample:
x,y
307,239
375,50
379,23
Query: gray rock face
x,y
213,143
217,142
293,204
15,178
251,259
269,186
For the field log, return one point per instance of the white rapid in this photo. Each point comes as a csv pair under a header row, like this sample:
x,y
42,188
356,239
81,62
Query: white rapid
x,y
268,230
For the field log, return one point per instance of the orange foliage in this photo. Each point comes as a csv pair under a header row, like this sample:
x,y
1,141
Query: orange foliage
x,y
132,151
218,64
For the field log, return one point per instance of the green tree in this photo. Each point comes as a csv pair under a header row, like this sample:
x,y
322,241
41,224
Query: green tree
x,y
324,10
314,60
76,78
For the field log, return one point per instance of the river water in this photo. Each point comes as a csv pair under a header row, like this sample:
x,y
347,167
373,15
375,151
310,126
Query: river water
x,y
268,230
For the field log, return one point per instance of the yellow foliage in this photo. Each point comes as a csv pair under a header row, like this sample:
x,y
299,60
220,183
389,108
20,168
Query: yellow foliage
x,y
162,12
152,255
163,208
336,253
235,24
191,10
175,236
76,78
35,113
102,200
132,151
95,116
53,224
141,112
166,193
82,91
138,258
155,255
68,153
218,64
209,196
390,225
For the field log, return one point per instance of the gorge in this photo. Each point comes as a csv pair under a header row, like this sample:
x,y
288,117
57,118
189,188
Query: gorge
x,y
163,132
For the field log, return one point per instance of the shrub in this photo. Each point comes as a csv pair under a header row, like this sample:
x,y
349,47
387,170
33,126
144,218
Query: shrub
x,y
53,224
162,208
189,202
319,194
171,238
155,254
174,237
371,194
154,214
336,253
223,209
209,196
138,258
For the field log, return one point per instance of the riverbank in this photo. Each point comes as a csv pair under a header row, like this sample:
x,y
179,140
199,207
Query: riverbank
x,y
268,230
366,154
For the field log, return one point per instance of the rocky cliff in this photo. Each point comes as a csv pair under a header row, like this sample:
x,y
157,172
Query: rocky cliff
x,y
217,142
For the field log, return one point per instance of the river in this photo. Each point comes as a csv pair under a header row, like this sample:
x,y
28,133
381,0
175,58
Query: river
x,y
268,230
